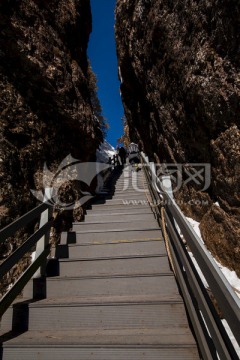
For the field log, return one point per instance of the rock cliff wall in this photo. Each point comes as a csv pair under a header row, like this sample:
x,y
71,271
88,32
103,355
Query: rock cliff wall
x,y
45,101
179,70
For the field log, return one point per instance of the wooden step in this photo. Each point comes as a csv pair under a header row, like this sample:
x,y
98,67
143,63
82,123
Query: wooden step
x,y
135,189
121,235
115,226
62,346
100,218
126,210
114,267
65,315
117,250
124,196
131,181
31,309
131,184
138,200
122,204
163,285
178,336
129,194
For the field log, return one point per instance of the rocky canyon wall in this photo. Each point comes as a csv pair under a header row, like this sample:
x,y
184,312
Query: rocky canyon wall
x,y
45,96
180,84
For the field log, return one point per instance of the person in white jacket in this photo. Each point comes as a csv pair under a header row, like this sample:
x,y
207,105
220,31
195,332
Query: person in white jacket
x,y
133,155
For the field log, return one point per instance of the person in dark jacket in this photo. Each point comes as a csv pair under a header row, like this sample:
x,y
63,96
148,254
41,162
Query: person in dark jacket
x,y
122,154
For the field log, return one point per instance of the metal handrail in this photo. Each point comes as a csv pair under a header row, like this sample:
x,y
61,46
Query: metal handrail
x,y
23,249
227,300
24,220
15,290
40,238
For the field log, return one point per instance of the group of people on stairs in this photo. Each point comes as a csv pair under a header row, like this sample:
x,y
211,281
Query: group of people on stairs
x,y
132,153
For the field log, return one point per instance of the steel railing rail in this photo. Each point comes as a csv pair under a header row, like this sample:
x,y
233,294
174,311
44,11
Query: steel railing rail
x,y
40,238
15,290
214,324
227,300
23,249
24,220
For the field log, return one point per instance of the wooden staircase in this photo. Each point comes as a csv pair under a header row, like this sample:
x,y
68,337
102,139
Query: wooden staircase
x,y
113,296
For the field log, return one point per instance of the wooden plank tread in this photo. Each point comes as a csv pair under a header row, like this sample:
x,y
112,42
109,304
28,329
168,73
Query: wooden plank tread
x,y
167,337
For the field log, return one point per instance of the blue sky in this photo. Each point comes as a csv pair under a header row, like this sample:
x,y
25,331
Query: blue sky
x,y
102,54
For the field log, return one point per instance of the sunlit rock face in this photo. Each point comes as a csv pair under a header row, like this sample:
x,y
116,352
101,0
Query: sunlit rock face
x,y
179,69
45,106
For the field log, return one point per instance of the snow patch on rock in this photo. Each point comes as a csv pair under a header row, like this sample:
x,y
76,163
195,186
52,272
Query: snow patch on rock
x,y
105,151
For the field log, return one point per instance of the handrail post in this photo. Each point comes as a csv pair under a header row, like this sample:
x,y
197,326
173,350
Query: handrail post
x,y
44,241
167,185
153,175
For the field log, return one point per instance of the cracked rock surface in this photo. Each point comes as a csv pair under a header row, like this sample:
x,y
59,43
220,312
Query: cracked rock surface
x,y
180,84
45,106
